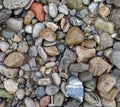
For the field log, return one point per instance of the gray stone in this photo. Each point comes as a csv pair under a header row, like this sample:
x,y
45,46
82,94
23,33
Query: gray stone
x,y
73,12
63,9
33,51
29,102
8,72
68,58
53,10
56,78
74,88
116,46
37,28
115,58
51,89
4,46
18,11
32,62
40,92
75,21
15,4
93,7
25,67
4,15
60,35
115,16
79,67
15,24
72,103
2,56
116,2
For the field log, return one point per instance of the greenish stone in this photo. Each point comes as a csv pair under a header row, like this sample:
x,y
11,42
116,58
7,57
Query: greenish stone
x,y
74,4
6,33
5,94
59,99
104,25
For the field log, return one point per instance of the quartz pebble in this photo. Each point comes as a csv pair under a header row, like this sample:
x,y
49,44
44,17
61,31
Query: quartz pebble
x,y
53,10
74,36
29,29
106,82
37,8
10,85
74,88
98,66
106,25
84,53
15,59
40,92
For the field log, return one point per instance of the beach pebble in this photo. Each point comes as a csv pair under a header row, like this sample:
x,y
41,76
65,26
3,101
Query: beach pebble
x,y
63,9
20,94
44,101
29,102
4,46
56,78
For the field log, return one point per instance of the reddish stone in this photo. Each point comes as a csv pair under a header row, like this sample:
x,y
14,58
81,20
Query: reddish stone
x,y
44,101
37,8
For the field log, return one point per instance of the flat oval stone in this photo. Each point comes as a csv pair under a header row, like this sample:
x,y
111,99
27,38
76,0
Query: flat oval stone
x,y
74,88
74,36
48,35
29,102
59,99
51,89
44,101
15,59
56,78
37,8
15,4
63,9
106,82
40,92
76,4
53,10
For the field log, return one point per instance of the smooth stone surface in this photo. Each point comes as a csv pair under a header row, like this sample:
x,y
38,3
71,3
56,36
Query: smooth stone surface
x,y
48,35
37,29
4,15
33,51
98,66
20,94
51,89
115,16
15,4
29,28
37,8
89,43
2,56
86,104
71,103
84,53
56,78
44,101
8,72
45,81
58,17
59,99
76,4
4,46
15,24
5,94
23,47
7,34
15,59
104,25
79,67
68,58
115,58
40,92
29,102
93,7
106,82
60,35
51,50
74,36
10,85
53,10
116,46
108,104
74,88
63,9
116,3
75,21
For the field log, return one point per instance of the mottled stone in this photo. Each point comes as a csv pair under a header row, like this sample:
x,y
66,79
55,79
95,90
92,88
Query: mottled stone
x,y
29,102
79,67
10,85
20,94
4,15
44,101
74,36
56,78
76,4
15,59
108,103
116,2
45,81
4,46
40,92
51,50
104,25
93,7
51,89
115,58
84,53
75,21
106,82
74,88
68,58
33,51
89,43
5,94
98,66
48,35
63,9
37,8
15,4
115,16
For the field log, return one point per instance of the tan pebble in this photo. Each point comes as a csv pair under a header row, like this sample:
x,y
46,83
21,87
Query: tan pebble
x,y
106,82
108,104
17,38
107,52
43,69
44,81
20,94
66,27
63,23
48,71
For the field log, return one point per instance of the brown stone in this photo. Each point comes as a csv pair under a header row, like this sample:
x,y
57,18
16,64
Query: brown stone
x,y
98,66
